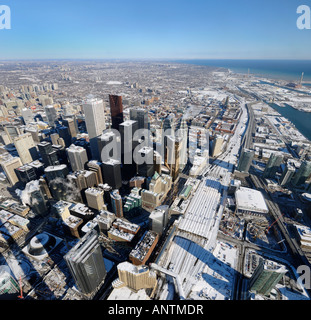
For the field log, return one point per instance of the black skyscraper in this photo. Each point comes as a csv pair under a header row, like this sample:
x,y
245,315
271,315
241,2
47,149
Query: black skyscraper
x,y
116,109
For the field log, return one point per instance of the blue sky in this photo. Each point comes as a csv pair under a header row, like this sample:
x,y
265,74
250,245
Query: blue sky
x,y
135,29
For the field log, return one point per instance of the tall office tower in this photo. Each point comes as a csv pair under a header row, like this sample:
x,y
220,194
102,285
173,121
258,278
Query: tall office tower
x,y
158,219
111,170
12,132
172,155
4,138
94,112
182,132
128,145
54,138
116,202
44,188
302,174
157,160
83,179
48,155
86,264
37,201
77,157
26,173
287,175
9,165
109,146
116,109
127,130
70,124
217,146
169,124
95,198
245,161
64,133
35,132
51,115
273,164
146,169
54,172
141,116
27,115
265,278
26,148
95,167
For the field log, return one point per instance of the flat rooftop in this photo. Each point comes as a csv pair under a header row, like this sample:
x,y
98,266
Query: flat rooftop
x,y
250,200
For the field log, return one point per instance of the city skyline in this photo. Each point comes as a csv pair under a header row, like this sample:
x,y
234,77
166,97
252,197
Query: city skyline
x,y
161,30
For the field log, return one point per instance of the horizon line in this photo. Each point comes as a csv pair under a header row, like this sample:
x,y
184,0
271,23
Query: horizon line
x,y
149,59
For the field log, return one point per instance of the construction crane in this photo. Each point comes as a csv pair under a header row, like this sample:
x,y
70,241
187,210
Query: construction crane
x,y
268,228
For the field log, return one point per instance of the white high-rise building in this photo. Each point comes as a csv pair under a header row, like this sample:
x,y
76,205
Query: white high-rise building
x,y
94,111
27,115
8,165
26,148
51,114
77,157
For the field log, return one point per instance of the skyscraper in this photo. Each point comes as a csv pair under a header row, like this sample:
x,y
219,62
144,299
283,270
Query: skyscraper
x,y
273,164
128,145
70,124
51,114
27,115
141,116
112,173
26,148
9,165
77,157
86,263
94,112
116,202
95,167
146,169
116,109
95,198
109,146
127,131
54,172
64,133
302,174
158,219
172,155
49,156
245,161
265,278
287,175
